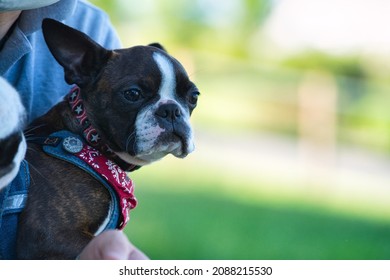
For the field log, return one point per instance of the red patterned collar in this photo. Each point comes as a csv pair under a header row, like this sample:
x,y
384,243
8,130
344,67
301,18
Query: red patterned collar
x,y
90,133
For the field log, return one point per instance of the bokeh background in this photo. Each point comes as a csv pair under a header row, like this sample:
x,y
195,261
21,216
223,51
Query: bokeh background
x,y
292,130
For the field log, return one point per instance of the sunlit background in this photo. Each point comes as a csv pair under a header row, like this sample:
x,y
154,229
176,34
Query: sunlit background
x,y
292,130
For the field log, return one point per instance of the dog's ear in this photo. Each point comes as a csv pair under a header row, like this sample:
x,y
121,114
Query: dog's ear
x,y
158,45
80,56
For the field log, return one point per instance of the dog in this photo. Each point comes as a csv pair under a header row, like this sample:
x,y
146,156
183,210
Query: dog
x,y
129,108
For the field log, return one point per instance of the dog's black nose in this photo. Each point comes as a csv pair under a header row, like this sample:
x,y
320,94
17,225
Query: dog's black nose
x,y
169,111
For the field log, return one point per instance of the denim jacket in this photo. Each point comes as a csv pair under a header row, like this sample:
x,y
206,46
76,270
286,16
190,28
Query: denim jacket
x,y
26,62
12,201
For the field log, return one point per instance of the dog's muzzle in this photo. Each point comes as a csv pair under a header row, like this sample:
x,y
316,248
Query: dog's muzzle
x,y
162,131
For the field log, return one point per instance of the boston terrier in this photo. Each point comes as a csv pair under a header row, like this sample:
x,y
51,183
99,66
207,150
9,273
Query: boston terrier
x,y
128,108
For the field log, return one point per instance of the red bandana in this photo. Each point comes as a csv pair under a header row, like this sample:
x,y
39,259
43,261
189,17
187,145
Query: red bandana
x,y
115,176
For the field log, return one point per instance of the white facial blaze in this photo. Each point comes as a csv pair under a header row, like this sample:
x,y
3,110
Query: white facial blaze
x,y
168,80
168,83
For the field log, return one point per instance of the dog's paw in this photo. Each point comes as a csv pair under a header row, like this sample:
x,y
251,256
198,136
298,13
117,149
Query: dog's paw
x,y
12,142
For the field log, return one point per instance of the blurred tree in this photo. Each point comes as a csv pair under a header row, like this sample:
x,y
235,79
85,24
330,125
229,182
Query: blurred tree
x,y
349,66
351,73
228,26
255,12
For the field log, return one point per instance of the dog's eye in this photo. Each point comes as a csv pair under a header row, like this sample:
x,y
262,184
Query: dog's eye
x,y
193,98
133,94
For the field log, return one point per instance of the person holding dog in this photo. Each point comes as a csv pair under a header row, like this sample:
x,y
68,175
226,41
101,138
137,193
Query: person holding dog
x,y
26,63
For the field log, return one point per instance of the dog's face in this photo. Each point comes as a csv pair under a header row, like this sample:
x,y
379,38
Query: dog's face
x,y
145,102
140,99
12,142
153,101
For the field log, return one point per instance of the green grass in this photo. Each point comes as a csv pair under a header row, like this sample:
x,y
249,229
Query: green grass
x,y
176,223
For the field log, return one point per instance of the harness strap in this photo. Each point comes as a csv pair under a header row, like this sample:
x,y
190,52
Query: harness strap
x,y
74,150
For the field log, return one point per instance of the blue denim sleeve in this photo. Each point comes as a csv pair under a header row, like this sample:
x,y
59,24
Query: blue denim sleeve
x,y
96,24
27,64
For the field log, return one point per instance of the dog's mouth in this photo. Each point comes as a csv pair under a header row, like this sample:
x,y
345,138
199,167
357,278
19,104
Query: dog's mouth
x,y
153,146
171,143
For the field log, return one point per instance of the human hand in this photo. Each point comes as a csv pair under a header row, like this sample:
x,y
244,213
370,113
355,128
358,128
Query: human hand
x,y
111,245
